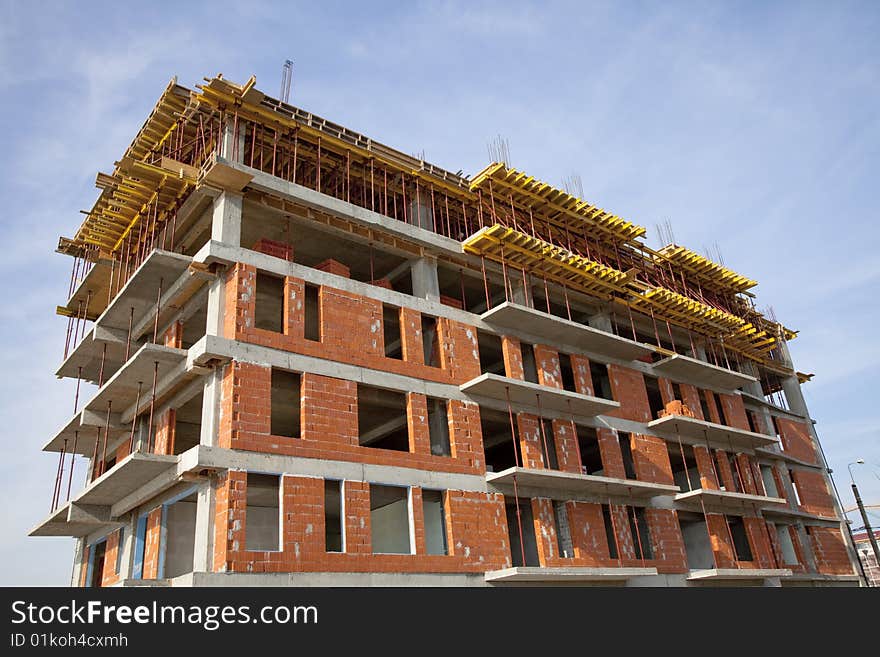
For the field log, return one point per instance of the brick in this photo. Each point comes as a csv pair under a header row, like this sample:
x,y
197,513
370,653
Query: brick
x,y
628,388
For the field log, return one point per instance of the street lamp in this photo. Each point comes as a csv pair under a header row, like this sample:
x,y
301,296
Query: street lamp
x,y
864,513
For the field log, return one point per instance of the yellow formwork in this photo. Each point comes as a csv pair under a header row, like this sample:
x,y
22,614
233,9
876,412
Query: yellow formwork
x,y
545,260
706,271
553,205
135,184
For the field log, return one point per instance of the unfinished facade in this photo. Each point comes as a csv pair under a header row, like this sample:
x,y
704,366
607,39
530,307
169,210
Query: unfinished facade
x,y
318,360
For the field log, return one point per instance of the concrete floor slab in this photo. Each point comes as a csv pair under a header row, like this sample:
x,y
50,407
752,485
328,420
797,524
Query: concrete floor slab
x,y
85,359
523,393
701,373
557,330
693,429
726,500
65,521
572,483
787,512
122,387
141,290
573,574
93,290
737,573
134,471
80,438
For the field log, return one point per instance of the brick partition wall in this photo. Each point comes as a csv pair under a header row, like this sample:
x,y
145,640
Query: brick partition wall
x,y
813,491
590,544
531,444
351,330
651,459
734,411
628,387
547,364
706,468
152,544
609,452
583,380
796,440
830,551
109,576
719,539
691,397
476,532
512,354
567,450
328,420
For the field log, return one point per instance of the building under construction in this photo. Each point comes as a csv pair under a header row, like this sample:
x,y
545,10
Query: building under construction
x,y
316,360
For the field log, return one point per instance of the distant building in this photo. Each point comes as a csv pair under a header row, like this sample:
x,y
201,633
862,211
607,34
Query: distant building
x,y
866,554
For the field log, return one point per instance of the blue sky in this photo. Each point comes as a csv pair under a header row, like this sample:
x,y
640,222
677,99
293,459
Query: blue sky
x,y
753,125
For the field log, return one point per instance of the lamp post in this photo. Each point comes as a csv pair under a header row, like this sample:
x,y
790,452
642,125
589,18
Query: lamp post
x,y
864,513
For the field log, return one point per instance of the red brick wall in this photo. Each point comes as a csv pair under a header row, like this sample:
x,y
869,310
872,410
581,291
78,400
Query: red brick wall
x,y
329,430
651,459
734,411
163,442
705,466
796,440
465,433
567,452
583,380
174,335
669,551
476,527
109,576
411,336
350,323
745,471
628,387
152,544
722,466
350,330
239,300
459,352
609,450
759,542
512,352
547,363
830,551
544,527
691,399
530,442
719,538
588,538
357,517
84,567
813,492
417,422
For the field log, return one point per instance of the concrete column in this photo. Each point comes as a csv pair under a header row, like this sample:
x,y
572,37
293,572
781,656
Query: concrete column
x,y
203,555
215,307
228,148
425,283
753,388
76,572
211,408
127,547
226,219
601,321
